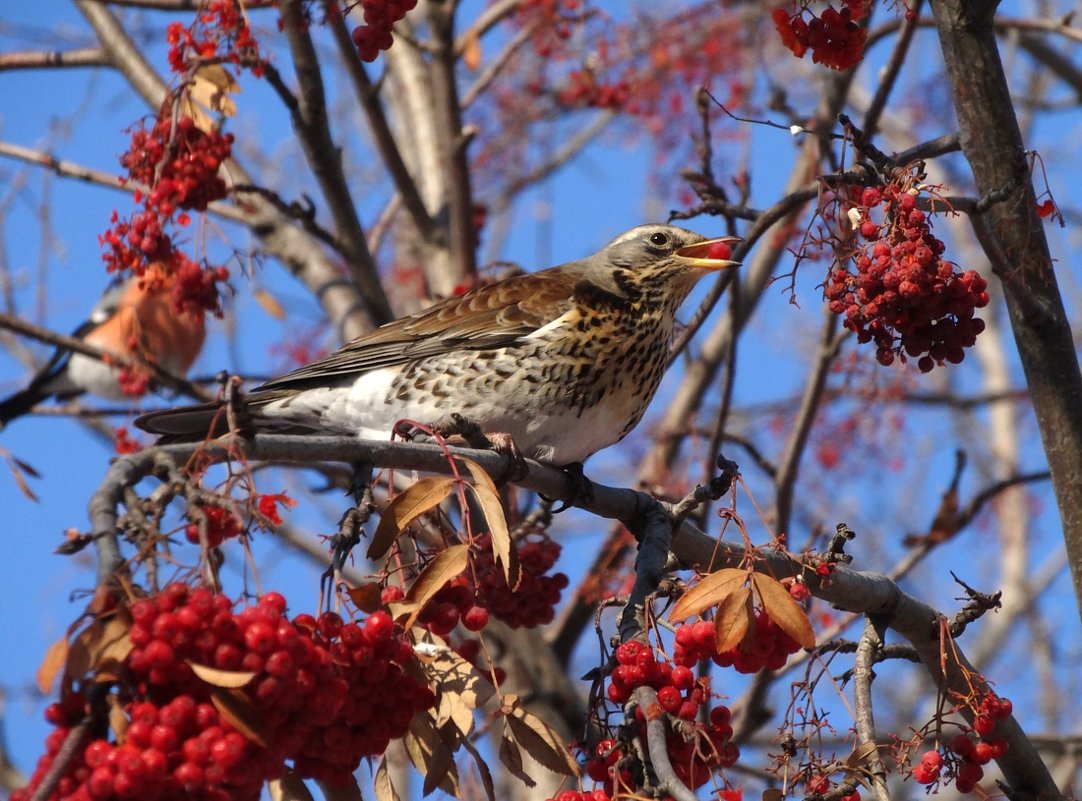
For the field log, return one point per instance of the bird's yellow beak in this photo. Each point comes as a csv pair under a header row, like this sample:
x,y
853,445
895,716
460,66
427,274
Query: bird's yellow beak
x,y
711,255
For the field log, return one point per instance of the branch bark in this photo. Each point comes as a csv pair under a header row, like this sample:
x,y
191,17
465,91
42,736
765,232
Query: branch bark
x,y
1012,236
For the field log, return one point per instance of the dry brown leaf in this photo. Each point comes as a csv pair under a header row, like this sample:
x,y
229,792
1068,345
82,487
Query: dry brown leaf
x,y
289,787
18,467
538,739
471,53
101,644
460,689
783,610
237,709
431,755
511,758
55,659
406,507
367,597
447,564
773,794
731,619
118,720
482,769
710,591
502,548
211,88
221,678
269,304
382,783
189,108
350,791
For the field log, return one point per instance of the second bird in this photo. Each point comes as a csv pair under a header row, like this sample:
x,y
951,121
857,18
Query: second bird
x,y
565,360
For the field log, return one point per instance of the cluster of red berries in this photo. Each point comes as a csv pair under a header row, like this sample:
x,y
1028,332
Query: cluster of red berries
x,y
584,90
549,22
968,756
834,37
905,296
324,694
380,16
220,34
220,524
456,602
764,646
179,162
695,749
534,601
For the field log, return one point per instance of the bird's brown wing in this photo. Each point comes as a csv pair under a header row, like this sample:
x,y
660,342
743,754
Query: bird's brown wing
x,y
488,317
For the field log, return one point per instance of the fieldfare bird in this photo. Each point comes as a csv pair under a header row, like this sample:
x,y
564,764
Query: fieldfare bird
x,y
564,361
133,320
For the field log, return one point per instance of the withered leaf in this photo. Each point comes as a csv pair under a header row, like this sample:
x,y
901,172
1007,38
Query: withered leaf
x,y
367,597
538,739
289,787
269,304
350,791
221,678
211,88
431,754
404,508
502,548
102,643
731,619
382,783
783,610
511,758
55,659
237,709
447,564
711,590
460,689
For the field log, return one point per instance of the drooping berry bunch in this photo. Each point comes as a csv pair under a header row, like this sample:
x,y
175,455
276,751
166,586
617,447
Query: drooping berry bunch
x,y
179,165
966,756
584,90
219,34
534,601
764,646
905,296
380,16
834,37
323,694
695,749
456,602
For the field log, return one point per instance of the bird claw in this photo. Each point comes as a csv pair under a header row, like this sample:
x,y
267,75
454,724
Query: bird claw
x,y
459,425
582,489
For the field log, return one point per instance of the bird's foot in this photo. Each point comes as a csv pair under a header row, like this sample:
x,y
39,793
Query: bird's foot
x,y
581,488
350,527
502,443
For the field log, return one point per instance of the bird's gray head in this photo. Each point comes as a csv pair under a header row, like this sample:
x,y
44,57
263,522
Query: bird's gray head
x,y
651,264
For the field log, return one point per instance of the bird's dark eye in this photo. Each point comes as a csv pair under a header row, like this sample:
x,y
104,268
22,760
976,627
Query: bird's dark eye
x,y
659,239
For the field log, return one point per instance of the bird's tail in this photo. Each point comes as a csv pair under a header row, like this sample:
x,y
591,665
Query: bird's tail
x,y
20,403
187,423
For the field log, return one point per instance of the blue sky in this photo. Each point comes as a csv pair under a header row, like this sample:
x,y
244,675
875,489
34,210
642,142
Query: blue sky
x,y
596,197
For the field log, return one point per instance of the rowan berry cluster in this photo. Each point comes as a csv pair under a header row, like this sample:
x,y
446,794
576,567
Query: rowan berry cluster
x,y
904,295
380,16
695,749
964,755
834,37
179,165
765,646
220,34
534,601
584,90
218,523
324,694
